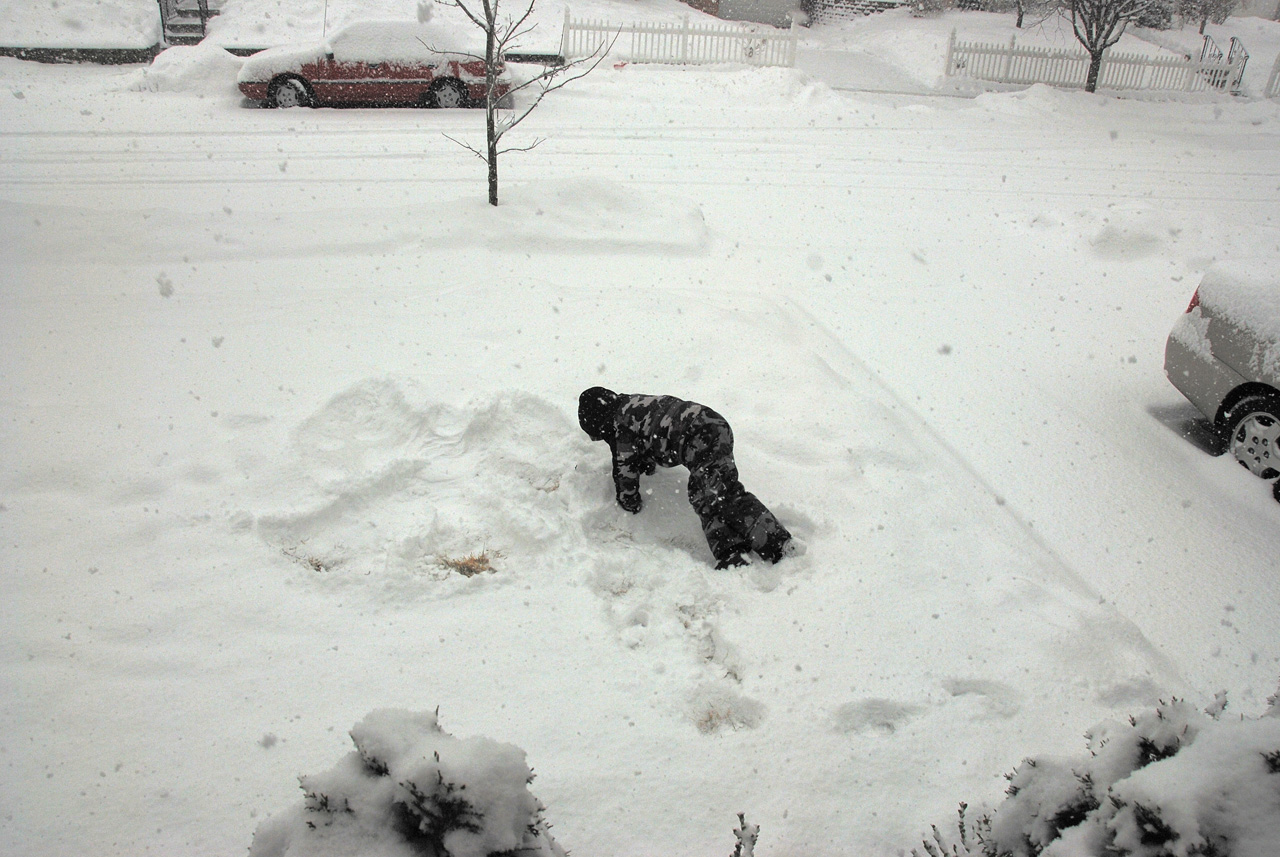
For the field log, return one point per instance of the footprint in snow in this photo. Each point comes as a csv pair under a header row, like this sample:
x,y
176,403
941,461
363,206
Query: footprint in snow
x,y
884,716
996,699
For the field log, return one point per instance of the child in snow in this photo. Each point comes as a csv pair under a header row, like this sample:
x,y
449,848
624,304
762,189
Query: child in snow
x,y
646,431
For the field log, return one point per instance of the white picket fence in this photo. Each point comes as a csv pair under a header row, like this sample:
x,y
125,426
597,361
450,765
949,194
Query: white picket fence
x,y
1018,65
1273,82
680,43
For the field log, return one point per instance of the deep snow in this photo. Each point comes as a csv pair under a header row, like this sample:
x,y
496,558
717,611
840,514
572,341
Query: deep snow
x,y
264,371
79,24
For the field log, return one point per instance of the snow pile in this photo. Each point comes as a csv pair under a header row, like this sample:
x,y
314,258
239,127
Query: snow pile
x,y
450,482
412,789
201,69
80,24
1171,783
895,50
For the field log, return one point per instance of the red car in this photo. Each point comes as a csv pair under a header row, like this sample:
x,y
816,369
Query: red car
x,y
375,62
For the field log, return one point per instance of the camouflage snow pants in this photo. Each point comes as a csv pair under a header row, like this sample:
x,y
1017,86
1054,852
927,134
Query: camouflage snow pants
x,y
733,519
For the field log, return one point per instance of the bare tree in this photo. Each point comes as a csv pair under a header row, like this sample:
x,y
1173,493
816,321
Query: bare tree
x,y
1039,10
1099,24
501,33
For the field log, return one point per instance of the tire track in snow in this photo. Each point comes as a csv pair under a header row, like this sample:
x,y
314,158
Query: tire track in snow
x,y
744,155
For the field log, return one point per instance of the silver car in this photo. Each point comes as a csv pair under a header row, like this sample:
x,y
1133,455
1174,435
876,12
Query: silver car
x,y
1224,355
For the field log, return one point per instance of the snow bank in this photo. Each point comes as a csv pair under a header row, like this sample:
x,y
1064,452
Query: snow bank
x,y
80,24
202,69
914,49
411,789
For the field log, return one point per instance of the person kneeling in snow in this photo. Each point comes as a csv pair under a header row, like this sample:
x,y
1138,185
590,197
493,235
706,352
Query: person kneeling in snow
x,y
646,431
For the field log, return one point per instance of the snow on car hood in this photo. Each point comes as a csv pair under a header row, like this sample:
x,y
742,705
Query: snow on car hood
x,y
373,42
1247,294
267,64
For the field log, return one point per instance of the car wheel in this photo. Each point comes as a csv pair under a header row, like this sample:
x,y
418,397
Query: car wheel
x,y
1251,429
448,93
286,91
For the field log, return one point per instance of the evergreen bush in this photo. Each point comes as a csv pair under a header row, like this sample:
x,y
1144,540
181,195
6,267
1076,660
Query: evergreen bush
x,y
412,790
1175,782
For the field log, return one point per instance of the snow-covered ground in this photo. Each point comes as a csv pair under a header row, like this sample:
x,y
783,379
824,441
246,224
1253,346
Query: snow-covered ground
x,y
79,24
264,372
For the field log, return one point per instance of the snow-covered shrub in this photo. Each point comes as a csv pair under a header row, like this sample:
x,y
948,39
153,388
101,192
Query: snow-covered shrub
x,y
747,835
412,790
1175,782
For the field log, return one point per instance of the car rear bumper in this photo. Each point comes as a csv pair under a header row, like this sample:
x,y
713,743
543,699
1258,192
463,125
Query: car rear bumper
x,y
1191,367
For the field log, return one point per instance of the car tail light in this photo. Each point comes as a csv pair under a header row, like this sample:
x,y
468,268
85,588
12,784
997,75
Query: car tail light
x,y
1195,301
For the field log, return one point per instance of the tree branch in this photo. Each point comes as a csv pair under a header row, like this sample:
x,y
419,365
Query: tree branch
x,y
549,84
470,148
529,148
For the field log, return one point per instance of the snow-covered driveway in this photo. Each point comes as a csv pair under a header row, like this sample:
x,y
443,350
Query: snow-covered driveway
x,y
263,370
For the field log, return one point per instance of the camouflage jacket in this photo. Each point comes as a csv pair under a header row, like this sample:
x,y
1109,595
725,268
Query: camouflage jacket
x,y
652,431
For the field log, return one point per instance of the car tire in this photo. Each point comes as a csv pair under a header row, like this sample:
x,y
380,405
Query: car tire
x,y
1251,433
448,93
288,91
1275,490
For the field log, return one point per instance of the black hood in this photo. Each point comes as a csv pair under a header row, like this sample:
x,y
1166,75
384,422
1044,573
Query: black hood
x,y
597,408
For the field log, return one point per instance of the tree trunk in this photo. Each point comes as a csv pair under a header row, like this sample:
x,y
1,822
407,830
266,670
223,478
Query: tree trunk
x,y
493,159
490,105
1095,66
1021,11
